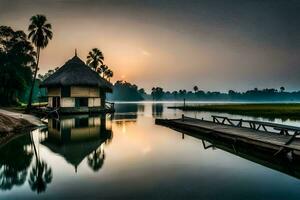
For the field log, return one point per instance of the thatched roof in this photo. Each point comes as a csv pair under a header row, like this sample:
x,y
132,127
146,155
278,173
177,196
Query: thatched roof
x,y
76,73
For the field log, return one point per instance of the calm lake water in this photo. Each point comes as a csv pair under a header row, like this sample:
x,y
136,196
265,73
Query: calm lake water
x,y
127,156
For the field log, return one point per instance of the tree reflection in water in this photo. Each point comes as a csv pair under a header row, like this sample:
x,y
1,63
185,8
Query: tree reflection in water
x,y
96,159
15,160
40,174
157,109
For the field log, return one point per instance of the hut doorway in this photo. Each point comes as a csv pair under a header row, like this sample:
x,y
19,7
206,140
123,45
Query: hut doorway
x,y
55,102
81,102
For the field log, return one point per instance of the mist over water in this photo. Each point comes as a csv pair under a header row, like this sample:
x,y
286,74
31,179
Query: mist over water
x,y
128,156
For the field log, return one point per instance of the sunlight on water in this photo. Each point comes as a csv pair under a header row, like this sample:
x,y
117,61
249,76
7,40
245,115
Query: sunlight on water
x,y
127,156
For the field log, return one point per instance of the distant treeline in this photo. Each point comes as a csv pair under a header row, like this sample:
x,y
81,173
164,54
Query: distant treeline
x,y
124,91
250,95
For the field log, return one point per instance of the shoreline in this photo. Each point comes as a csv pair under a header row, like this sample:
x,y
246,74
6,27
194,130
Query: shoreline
x,y
14,124
276,110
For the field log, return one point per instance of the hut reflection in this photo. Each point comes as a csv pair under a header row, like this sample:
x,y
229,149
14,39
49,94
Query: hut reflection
x,y
78,137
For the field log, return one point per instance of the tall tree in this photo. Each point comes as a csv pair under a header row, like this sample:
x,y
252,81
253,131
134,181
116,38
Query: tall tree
x,y
94,58
103,69
157,93
196,88
17,58
40,33
109,74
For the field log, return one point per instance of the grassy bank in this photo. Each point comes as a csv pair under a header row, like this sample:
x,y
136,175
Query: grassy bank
x,y
278,110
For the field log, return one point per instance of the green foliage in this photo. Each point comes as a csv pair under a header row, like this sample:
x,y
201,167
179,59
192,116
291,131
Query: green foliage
x,y
40,31
17,58
124,91
267,94
36,95
47,74
157,93
278,110
94,58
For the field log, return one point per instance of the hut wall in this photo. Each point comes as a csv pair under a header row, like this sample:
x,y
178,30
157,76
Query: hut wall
x,y
77,91
52,92
97,102
94,102
67,102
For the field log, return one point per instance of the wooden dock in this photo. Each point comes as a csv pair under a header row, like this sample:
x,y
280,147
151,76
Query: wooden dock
x,y
276,138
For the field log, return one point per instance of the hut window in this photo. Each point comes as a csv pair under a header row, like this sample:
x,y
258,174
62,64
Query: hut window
x,y
65,91
81,102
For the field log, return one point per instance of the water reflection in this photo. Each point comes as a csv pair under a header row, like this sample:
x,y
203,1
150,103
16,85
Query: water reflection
x,y
73,137
265,157
15,161
127,111
77,137
153,159
40,176
157,110
96,159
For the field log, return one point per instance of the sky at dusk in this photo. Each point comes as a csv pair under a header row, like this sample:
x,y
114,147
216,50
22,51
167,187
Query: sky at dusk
x,y
176,44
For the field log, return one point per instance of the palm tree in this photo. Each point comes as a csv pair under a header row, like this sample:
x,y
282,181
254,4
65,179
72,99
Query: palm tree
x,y
40,33
95,57
103,69
196,88
109,74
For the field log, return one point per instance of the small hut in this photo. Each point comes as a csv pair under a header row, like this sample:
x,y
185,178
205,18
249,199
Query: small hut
x,y
76,88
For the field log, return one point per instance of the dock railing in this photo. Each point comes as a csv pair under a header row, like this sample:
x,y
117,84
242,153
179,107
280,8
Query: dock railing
x,y
109,105
274,128
259,126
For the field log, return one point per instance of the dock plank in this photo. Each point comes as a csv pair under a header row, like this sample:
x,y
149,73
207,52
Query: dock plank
x,y
241,132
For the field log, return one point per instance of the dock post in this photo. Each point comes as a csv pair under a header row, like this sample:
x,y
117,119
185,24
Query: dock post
x,y
182,117
184,103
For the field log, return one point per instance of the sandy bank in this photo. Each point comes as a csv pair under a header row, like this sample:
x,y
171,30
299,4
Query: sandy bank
x,y
9,118
13,123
